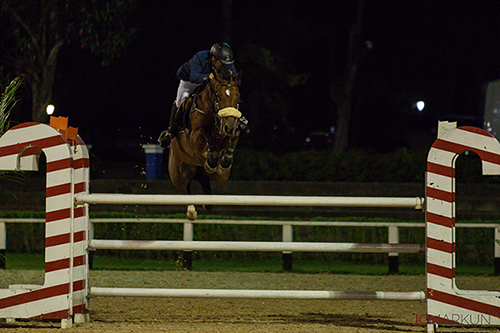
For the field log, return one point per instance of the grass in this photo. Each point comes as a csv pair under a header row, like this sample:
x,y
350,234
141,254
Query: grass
x,y
22,261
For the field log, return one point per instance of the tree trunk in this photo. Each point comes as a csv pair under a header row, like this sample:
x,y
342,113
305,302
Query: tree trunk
x,y
342,92
342,128
41,95
42,85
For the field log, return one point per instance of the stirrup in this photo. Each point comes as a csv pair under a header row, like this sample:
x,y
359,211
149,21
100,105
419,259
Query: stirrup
x,y
165,139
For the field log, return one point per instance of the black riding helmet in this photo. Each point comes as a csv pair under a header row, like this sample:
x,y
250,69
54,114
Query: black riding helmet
x,y
222,52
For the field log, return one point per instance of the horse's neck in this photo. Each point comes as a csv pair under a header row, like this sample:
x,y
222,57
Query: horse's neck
x,y
205,98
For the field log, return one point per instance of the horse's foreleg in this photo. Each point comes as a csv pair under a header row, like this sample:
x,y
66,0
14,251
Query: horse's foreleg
x,y
226,160
210,164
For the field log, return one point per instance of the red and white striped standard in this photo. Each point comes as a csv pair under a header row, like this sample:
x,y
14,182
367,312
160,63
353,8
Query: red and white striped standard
x,y
63,293
446,303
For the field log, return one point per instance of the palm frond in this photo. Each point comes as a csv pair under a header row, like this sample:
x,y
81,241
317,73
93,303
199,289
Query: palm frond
x,y
8,100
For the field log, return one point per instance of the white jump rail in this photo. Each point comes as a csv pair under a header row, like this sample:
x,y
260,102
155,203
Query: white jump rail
x,y
247,200
107,244
247,293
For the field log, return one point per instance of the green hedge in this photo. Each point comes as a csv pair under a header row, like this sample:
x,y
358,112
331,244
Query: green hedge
x,y
353,166
474,246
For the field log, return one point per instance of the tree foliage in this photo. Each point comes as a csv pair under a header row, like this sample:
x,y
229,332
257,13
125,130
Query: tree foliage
x,y
266,91
37,31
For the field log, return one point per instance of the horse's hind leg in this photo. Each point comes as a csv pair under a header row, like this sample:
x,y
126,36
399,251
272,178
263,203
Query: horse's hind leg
x,y
204,181
191,213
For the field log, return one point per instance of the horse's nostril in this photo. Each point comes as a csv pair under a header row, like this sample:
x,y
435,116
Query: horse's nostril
x,y
226,129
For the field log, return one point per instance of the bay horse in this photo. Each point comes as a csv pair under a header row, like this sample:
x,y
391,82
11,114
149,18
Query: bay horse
x,y
204,150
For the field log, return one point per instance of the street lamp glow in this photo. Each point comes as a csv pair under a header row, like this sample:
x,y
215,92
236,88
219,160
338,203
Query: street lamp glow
x,y
420,105
50,109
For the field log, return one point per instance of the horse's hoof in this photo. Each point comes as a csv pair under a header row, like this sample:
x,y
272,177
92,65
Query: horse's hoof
x,y
212,160
225,163
191,213
209,169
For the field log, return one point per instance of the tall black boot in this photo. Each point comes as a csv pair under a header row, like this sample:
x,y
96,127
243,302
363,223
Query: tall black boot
x,y
166,137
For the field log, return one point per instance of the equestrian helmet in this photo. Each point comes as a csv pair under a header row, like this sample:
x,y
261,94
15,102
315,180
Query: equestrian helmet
x,y
222,51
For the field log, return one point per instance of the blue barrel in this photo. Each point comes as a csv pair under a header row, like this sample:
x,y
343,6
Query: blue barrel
x,y
154,158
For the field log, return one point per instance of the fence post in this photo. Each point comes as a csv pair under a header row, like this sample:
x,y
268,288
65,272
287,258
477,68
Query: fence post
x,y
187,256
287,255
3,245
497,250
393,256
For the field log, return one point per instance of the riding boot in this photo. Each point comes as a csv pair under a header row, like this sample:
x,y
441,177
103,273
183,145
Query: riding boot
x,y
243,124
166,136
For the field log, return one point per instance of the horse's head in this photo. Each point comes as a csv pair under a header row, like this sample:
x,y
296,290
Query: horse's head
x,y
226,103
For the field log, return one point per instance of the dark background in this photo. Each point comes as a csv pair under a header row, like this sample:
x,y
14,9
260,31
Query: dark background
x,y
441,52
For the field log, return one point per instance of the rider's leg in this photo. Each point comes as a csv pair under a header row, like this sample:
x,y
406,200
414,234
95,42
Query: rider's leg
x,y
173,127
166,136
183,92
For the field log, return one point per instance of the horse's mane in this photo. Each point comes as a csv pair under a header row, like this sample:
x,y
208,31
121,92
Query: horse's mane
x,y
225,74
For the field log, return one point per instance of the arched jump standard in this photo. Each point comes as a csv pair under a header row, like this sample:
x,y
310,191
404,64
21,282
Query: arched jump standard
x,y
63,294
446,303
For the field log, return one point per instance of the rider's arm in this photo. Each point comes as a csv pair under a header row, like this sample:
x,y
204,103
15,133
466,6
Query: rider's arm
x,y
199,69
232,68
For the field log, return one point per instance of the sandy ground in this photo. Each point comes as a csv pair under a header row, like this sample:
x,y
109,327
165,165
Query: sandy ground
x,y
119,314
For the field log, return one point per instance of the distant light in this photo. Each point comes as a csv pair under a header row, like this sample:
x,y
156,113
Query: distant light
x,y
275,127
332,129
420,105
50,109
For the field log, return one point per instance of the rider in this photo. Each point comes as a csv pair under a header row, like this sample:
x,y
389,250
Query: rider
x,y
197,71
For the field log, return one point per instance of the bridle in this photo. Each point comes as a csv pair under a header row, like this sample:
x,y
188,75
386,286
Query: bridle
x,y
219,113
